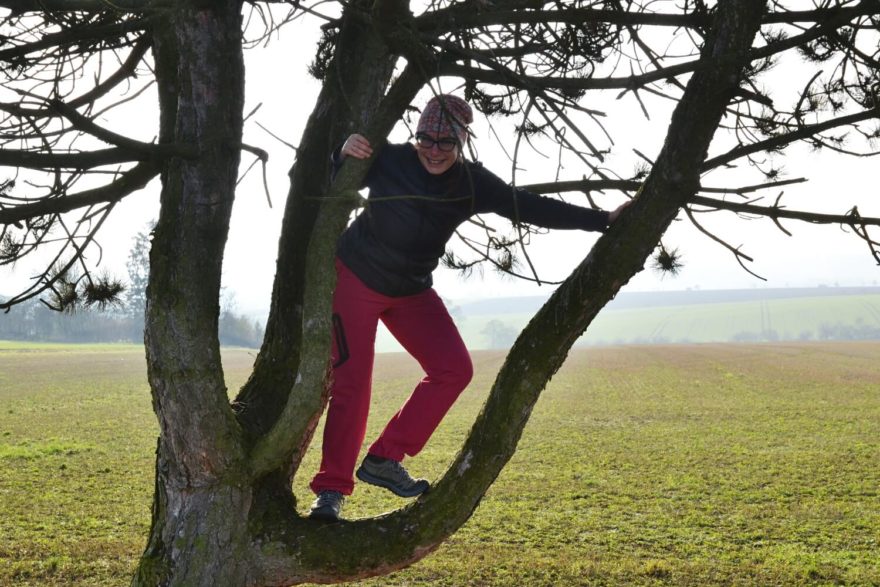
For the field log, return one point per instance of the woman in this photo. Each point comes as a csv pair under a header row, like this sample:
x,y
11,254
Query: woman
x,y
419,194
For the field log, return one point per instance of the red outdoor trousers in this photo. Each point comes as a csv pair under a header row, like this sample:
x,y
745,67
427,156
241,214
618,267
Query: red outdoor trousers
x,y
424,328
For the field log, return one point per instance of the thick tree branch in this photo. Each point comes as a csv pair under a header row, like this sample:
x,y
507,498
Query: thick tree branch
x,y
588,185
24,6
128,150
465,17
69,160
459,17
128,182
200,71
348,99
150,150
282,440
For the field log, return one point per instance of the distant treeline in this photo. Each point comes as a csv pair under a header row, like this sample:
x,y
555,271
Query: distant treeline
x,y
839,331
33,321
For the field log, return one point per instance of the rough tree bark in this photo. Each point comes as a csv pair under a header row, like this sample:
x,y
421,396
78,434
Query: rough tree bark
x,y
223,512
202,500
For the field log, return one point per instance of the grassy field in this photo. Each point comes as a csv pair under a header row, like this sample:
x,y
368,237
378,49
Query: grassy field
x,y
662,465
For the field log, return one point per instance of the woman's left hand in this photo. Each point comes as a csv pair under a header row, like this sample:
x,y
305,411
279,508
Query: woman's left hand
x,y
615,214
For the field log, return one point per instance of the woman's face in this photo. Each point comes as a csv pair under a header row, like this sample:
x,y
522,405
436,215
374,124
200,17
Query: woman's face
x,y
437,153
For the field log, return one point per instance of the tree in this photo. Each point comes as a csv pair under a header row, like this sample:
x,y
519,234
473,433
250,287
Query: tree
x,y
138,267
236,329
223,510
500,335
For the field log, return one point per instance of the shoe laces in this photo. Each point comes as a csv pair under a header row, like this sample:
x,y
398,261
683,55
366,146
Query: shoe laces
x,y
400,472
329,498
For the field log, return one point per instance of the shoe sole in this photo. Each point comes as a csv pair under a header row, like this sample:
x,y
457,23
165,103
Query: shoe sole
x,y
322,516
418,489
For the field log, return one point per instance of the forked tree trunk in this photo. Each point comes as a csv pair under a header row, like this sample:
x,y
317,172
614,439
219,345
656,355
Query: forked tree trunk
x,y
199,530
223,513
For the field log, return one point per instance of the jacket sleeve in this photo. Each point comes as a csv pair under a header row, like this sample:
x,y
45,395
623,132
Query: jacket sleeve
x,y
523,206
336,160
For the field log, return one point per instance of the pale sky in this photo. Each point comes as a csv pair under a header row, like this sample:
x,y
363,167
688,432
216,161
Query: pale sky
x,y
277,77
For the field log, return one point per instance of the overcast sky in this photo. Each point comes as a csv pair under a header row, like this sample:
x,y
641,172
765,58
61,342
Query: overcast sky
x,y
277,78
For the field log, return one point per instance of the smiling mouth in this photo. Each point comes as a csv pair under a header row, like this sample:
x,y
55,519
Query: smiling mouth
x,y
435,161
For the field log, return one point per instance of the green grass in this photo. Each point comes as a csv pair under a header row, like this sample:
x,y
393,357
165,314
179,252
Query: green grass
x,y
685,465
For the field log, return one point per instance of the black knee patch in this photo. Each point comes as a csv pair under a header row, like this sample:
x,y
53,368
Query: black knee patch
x,y
341,343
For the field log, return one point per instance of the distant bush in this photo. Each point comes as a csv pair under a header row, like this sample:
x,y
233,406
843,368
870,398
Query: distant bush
x,y
768,335
500,335
840,331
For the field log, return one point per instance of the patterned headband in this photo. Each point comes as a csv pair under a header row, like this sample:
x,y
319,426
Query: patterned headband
x,y
446,115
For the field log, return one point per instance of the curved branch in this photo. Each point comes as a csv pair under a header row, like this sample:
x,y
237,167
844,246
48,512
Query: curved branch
x,y
784,139
130,181
541,348
151,150
126,70
737,253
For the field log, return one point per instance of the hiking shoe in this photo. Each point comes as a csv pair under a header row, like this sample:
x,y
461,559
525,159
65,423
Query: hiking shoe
x,y
391,475
327,507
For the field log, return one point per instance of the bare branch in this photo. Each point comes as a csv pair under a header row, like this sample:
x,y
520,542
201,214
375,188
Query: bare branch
x,y
775,212
50,277
74,35
781,140
494,76
737,253
125,71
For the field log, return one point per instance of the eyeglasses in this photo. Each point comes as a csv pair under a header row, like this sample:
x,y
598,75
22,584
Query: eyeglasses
x,y
445,144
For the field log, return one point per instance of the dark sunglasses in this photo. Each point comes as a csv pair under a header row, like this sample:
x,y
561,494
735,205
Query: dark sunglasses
x,y
445,144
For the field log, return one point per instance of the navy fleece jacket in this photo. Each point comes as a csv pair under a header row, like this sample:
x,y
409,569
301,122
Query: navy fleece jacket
x,y
400,236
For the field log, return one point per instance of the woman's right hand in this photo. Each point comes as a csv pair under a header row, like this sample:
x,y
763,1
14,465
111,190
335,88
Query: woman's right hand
x,y
356,146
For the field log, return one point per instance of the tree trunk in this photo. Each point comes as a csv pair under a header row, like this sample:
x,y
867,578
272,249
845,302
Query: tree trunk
x,y
202,499
353,86
223,513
